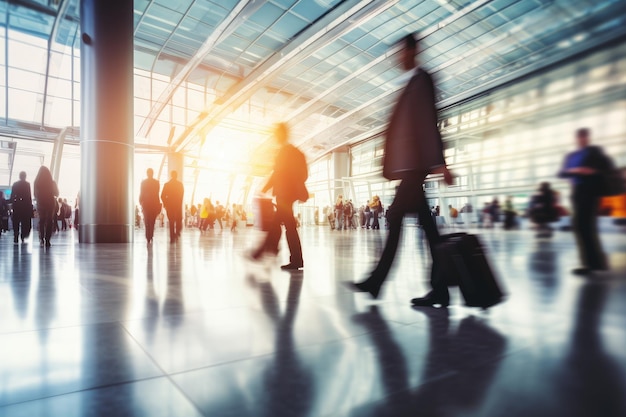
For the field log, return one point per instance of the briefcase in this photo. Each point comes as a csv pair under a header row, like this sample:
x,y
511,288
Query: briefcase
x,y
463,263
264,212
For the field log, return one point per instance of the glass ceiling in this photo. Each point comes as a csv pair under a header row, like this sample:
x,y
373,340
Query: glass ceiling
x,y
327,67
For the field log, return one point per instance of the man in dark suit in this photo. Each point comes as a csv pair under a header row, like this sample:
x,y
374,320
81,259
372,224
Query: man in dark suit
x,y
22,208
150,203
413,149
584,167
287,183
172,197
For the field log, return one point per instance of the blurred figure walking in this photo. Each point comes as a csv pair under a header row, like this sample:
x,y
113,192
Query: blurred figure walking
x,y
413,149
45,191
585,168
172,198
150,202
22,203
287,182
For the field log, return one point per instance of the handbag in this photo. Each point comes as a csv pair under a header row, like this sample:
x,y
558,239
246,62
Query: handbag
x,y
613,183
612,180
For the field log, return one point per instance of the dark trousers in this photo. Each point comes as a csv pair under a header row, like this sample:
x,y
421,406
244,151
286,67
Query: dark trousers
x,y
283,215
175,218
149,219
409,198
22,223
585,227
46,223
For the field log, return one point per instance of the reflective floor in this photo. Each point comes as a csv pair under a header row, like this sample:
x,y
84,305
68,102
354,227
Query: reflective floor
x,y
192,329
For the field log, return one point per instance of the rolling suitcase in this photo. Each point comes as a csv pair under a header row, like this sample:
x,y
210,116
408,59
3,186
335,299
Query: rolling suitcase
x,y
464,264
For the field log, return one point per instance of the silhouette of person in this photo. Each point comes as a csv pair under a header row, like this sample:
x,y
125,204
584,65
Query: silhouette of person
x,y
287,183
413,149
22,208
584,168
45,191
150,203
172,198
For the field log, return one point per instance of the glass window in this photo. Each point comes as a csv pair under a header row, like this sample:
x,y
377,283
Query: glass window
x,y
26,56
24,105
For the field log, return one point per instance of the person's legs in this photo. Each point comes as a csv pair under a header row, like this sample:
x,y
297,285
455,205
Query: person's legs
x,y
437,280
178,223
404,201
584,224
284,214
16,226
46,226
171,219
25,225
149,220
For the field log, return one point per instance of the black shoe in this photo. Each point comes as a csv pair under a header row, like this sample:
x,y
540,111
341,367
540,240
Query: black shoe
x,y
430,301
581,271
364,287
47,243
292,267
15,239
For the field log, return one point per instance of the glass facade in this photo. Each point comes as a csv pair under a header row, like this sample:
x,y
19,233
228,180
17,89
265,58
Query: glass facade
x,y
508,141
335,80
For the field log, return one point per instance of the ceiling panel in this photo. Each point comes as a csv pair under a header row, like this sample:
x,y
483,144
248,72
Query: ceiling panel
x,y
320,62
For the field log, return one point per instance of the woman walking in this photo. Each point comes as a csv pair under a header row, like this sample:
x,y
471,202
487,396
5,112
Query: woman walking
x,y
45,191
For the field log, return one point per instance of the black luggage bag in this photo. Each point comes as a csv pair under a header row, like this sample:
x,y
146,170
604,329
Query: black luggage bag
x,y
463,263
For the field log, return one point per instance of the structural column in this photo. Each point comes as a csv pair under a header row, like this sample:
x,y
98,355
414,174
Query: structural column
x,y
175,162
107,142
340,164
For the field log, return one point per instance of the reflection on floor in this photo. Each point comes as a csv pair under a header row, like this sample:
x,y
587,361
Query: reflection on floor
x,y
192,329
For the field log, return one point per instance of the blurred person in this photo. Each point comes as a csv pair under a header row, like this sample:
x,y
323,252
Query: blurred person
x,y
485,216
137,217
510,215
4,213
413,149
454,214
330,216
287,182
495,211
204,214
339,213
61,213
466,214
211,214
376,208
68,213
77,211
45,191
193,211
542,209
584,167
368,214
235,218
219,213
150,202
172,198
22,203
348,214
